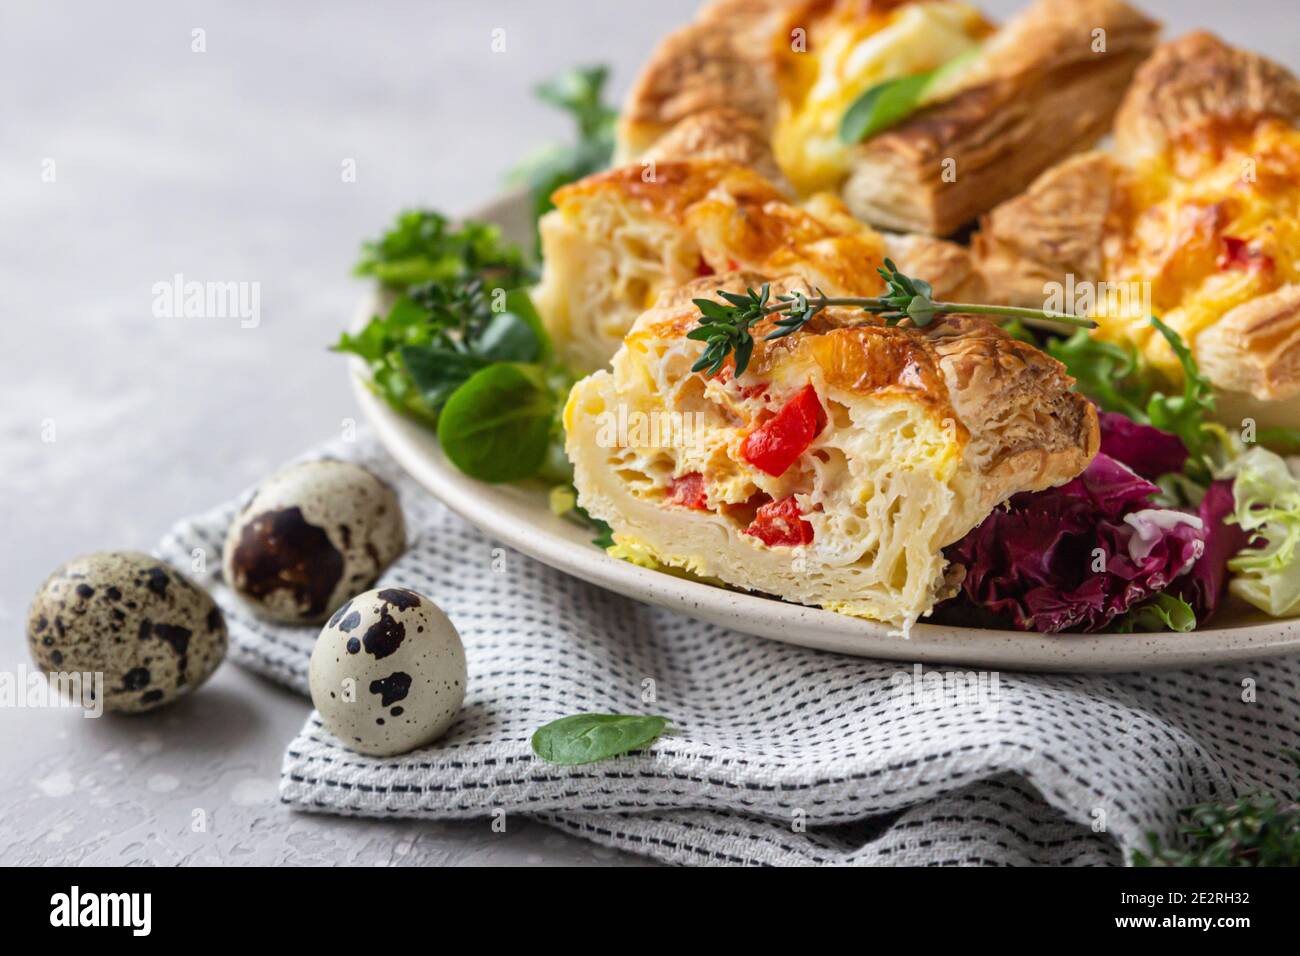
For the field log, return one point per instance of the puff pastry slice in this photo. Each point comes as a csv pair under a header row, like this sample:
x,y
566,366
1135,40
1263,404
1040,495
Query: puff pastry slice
x,y
836,467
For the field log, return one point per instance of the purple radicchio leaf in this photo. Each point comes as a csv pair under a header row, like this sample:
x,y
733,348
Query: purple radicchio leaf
x,y
1203,586
1148,451
1077,556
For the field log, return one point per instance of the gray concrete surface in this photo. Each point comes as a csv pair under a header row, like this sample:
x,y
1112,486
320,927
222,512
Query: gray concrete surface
x,y
226,165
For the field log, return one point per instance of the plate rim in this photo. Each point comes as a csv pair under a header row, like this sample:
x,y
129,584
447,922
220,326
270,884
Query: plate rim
x,y
491,509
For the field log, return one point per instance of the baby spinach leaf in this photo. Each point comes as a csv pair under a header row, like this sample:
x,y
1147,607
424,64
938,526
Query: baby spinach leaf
x,y
882,106
437,372
515,335
586,738
507,338
497,425
890,102
519,303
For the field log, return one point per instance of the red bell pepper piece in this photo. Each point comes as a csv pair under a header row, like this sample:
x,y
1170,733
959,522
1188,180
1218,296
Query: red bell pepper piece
x,y
688,491
780,522
776,444
1237,254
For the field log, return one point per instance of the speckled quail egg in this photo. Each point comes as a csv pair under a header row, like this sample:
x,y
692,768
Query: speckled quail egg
x,y
152,633
388,672
312,535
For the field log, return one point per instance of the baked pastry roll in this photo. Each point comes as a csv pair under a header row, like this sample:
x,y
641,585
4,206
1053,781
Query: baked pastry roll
x,y
773,79
1193,218
617,239
837,466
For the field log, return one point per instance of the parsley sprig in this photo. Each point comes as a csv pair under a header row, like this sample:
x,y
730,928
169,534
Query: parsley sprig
x,y
726,328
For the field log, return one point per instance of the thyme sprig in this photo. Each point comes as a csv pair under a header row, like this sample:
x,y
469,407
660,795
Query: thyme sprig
x,y
726,328
1256,830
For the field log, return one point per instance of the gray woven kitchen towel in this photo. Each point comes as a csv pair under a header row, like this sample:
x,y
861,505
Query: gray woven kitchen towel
x,y
780,755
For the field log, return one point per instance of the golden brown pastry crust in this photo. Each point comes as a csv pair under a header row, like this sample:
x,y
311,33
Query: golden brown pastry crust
x,y
618,237
1040,93
1026,427
1056,227
1045,93
1196,83
1193,96
1255,348
720,61
949,268
721,134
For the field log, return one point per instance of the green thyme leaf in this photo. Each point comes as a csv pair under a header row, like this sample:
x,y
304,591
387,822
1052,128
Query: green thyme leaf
x,y
1259,830
726,328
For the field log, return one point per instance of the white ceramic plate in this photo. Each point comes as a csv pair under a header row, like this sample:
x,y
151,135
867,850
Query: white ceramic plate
x,y
519,516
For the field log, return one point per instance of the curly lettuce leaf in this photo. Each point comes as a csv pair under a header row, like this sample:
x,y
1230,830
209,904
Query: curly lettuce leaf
x,y
1164,612
424,246
1183,415
1267,508
1113,376
1118,380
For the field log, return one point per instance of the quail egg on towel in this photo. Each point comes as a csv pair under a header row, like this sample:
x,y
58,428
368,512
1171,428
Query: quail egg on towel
x,y
312,536
151,632
388,672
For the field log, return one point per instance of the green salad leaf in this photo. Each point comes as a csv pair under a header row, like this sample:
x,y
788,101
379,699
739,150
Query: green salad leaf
x,y
1111,375
1117,379
1164,612
424,246
1267,498
586,738
564,503
889,102
579,93
1284,441
457,317
1184,415
497,425
882,106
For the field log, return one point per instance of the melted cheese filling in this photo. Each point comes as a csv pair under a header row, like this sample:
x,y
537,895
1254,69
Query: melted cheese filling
x,y
846,53
1179,220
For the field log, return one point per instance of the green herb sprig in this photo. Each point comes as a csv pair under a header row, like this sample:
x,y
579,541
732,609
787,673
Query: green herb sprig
x,y
580,93
726,328
1259,830
425,246
461,347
